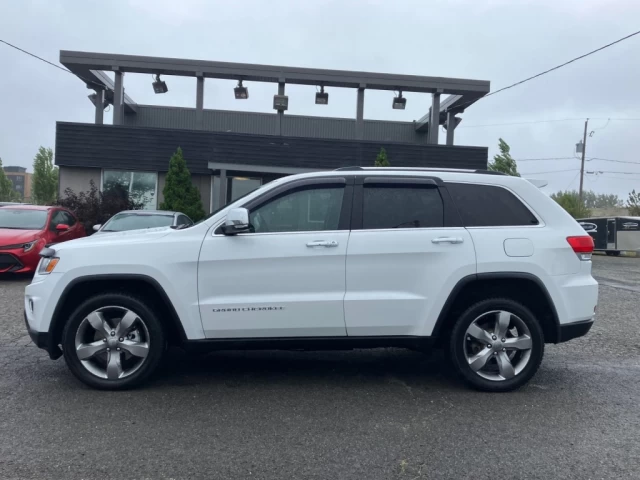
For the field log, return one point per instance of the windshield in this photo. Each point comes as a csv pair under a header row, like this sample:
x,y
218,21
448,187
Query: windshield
x,y
136,221
22,219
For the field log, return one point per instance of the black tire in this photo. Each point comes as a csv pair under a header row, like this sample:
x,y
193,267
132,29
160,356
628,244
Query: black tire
x,y
156,341
457,345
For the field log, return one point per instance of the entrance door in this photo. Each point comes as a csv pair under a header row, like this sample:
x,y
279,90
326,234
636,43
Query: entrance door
x,y
287,277
611,234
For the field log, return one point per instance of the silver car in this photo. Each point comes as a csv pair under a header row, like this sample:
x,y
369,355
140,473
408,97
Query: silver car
x,y
141,219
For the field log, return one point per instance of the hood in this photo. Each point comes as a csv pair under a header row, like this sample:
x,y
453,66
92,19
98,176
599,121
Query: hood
x,y
116,238
11,236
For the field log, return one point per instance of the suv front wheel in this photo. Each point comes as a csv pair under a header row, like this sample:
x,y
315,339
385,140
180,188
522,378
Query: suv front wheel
x,y
497,345
113,341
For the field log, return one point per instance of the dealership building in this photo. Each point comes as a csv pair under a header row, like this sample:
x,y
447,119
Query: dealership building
x,y
230,153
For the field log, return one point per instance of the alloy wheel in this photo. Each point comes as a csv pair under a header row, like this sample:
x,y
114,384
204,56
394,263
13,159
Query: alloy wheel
x,y
112,342
497,345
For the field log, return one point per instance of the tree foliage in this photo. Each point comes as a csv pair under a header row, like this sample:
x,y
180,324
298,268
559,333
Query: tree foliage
x,y
44,184
600,200
180,195
381,159
633,203
570,201
592,199
94,207
7,193
504,162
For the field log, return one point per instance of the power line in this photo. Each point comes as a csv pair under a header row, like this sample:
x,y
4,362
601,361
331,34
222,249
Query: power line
x,y
563,64
520,123
612,160
545,121
553,171
50,63
551,69
541,159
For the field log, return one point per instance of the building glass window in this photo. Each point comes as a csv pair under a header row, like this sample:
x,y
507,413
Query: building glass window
x,y
141,186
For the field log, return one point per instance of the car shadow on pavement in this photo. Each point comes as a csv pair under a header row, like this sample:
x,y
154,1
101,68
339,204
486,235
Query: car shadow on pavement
x,y
236,368
15,277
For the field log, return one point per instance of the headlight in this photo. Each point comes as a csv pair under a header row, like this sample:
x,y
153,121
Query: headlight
x,y
47,264
29,246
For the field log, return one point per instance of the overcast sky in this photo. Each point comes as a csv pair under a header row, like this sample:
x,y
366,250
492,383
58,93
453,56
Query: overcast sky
x,y
498,40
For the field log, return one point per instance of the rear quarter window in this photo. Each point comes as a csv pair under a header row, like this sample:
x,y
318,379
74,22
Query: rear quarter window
x,y
489,206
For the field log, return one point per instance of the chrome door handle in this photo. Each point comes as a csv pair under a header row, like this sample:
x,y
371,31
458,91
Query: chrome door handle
x,y
447,240
322,243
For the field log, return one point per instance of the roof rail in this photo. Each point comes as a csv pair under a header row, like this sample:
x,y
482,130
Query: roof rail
x,y
489,172
418,169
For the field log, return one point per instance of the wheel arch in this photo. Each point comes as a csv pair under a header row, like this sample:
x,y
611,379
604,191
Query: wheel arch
x,y
525,288
142,285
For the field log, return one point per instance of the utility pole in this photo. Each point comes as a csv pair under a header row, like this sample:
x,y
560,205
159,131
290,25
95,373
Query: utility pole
x,y
584,150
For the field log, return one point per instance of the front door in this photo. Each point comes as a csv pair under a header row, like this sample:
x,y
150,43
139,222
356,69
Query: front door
x,y
287,277
404,259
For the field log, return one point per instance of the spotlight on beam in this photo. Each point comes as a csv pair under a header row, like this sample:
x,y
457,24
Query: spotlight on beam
x,y
241,93
399,103
159,86
321,97
93,97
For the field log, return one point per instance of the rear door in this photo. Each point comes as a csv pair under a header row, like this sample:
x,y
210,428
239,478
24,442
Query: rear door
x,y
407,250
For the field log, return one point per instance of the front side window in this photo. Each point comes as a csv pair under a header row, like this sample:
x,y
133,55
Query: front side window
x,y
183,220
61,217
400,206
140,186
22,219
489,206
136,221
306,210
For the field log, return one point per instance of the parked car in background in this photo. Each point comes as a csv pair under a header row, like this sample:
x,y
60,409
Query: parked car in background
x,y
5,204
141,219
27,229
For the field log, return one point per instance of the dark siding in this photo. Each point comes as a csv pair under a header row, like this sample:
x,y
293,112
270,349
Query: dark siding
x,y
123,147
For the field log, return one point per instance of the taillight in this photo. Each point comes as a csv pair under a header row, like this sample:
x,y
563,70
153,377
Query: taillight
x,y
582,245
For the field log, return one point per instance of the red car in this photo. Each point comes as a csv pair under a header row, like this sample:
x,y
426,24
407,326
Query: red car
x,y
27,229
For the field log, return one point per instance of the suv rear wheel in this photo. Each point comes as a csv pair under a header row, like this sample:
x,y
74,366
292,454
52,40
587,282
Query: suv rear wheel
x,y
497,345
113,341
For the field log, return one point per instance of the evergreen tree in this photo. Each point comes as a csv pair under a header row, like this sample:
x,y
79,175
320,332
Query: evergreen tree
x,y
7,193
381,159
504,162
180,195
44,190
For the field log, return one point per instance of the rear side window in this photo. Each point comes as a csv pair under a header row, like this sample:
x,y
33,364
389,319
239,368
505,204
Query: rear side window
x,y
395,206
489,206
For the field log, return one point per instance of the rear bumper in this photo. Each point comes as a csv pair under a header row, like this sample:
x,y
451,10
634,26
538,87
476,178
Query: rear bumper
x,y
569,331
43,340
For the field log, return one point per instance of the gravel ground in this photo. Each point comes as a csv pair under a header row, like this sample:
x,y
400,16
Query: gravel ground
x,y
380,414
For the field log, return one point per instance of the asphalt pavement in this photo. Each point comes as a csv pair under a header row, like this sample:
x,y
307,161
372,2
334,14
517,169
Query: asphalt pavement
x,y
365,414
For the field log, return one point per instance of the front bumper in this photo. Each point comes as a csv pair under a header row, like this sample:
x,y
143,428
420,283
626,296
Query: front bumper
x,y
43,340
569,331
18,261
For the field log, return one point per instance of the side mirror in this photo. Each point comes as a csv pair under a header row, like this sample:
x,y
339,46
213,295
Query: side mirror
x,y
237,221
96,227
62,227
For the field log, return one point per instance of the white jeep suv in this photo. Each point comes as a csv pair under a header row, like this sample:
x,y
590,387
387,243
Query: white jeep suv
x,y
482,264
